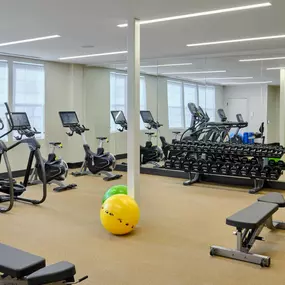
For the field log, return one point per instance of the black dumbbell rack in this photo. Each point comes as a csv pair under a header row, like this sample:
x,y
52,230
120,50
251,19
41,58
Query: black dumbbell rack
x,y
224,159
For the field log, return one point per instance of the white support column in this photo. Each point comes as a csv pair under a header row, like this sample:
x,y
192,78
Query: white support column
x,y
282,107
133,103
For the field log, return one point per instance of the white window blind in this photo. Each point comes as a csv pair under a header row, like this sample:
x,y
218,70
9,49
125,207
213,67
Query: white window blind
x,y
29,93
190,96
3,94
175,104
207,100
118,96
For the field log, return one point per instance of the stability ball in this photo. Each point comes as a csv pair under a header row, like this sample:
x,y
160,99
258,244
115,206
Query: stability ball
x,y
115,190
119,214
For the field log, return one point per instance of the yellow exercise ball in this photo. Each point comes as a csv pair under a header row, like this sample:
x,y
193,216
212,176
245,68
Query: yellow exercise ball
x,y
119,214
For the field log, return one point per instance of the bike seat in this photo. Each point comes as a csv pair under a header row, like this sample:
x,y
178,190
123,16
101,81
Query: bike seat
x,y
150,134
55,143
101,138
176,133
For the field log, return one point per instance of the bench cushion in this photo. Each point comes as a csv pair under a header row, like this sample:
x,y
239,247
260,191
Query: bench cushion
x,y
53,273
275,198
17,263
253,216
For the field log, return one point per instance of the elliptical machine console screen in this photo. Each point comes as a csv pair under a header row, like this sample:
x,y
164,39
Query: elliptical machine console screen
x,y
119,117
68,118
19,119
147,117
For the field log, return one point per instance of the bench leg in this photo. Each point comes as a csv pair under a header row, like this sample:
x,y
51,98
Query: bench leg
x,y
275,225
193,179
261,260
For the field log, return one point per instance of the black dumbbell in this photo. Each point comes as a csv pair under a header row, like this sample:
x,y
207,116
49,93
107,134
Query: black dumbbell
x,y
244,160
205,167
168,164
225,168
245,169
246,151
265,171
272,163
281,164
256,171
275,173
235,169
215,167
254,161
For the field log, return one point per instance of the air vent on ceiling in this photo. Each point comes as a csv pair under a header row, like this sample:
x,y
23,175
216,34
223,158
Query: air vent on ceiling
x,y
19,55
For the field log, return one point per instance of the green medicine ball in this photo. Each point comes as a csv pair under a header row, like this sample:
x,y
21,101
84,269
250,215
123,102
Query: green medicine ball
x,y
115,190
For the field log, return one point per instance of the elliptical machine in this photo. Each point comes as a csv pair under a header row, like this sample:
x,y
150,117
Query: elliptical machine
x,y
99,163
56,171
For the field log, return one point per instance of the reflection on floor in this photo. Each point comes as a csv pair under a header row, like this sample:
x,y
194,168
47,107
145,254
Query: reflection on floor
x,y
170,246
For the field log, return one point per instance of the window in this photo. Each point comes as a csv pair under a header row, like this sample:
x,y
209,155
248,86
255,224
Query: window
x,y
207,100
180,94
175,104
118,96
3,94
190,96
29,93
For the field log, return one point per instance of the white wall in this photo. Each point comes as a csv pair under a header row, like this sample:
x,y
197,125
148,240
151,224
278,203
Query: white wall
x,y
64,91
256,96
273,114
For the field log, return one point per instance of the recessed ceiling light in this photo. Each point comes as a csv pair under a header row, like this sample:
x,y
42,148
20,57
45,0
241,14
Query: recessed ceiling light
x,y
236,41
230,78
206,13
195,72
275,68
87,46
166,65
247,83
29,40
93,55
261,59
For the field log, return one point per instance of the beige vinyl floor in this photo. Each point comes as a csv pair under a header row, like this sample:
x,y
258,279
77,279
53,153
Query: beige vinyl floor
x,y
170,246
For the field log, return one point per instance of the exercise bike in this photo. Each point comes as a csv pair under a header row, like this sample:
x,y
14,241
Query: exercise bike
x,y
149,154
99,163
56,171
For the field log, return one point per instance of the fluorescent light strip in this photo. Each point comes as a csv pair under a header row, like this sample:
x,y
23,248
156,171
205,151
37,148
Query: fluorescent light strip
x,y
29,40
248,83
195,72
230,78
237,41
261,59
166,65
206,13
93,55
275,68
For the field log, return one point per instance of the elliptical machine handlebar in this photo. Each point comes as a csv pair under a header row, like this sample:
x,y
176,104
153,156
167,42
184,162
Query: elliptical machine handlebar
x,y
153,125
77,129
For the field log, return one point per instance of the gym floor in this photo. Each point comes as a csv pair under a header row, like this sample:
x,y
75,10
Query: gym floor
x,y
170,245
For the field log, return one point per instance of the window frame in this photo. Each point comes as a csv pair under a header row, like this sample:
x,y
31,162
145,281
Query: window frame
x,y
124,108
14,63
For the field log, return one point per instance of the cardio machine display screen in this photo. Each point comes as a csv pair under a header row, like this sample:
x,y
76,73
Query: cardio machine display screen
x,y
20,120
119,117
68,118
146,117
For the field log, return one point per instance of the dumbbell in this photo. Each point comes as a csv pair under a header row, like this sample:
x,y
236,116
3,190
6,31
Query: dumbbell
x,y
256,171
240,150
168,164
205,167
272,163
196,166
227,149
246,151
254,161
265,171
275,173
215,167
225,168
235,169
245,169
258,152
244,160
281,164
252,152
188,164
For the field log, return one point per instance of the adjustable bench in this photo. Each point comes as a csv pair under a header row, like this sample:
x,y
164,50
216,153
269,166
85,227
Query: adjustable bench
x,y
25,268
249,223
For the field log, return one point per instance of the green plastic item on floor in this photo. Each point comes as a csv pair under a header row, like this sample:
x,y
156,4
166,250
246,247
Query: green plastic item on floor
x,y
115,190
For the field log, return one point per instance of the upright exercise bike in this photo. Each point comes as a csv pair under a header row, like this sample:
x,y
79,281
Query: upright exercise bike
x,y
149,154
99,163
56,171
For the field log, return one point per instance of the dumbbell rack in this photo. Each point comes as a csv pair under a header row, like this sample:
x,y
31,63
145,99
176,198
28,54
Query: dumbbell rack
x,y
225,160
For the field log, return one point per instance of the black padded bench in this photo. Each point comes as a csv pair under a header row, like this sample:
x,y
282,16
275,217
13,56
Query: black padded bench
x,y
249,223
24,266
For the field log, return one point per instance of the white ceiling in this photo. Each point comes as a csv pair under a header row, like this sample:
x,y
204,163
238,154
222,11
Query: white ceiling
x,y
93,22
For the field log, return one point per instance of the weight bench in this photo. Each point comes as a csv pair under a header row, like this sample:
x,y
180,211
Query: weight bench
x,y
18,267
249,223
